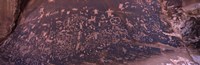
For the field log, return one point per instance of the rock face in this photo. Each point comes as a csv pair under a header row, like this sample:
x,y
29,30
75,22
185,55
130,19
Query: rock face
x,y
7,16
93,32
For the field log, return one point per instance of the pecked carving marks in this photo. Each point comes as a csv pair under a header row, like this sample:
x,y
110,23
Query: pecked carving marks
x,y
56,33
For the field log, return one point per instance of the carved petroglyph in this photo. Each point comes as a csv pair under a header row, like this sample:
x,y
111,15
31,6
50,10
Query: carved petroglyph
x,y
115,20
68,12
121,6
128,23
75,9
50,1
96,11
109,13
41,13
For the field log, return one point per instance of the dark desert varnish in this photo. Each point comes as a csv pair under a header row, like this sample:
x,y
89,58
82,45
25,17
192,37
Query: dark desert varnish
x,y
92,32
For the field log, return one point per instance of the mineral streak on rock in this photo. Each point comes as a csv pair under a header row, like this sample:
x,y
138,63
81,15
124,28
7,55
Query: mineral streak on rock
x,y
7,17
79,32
